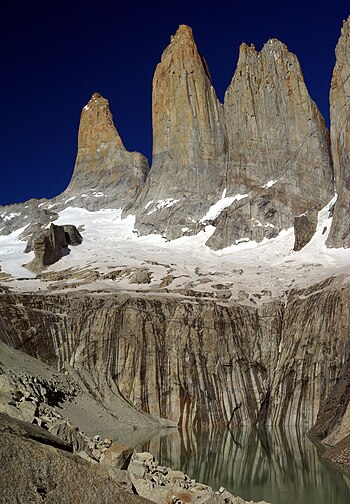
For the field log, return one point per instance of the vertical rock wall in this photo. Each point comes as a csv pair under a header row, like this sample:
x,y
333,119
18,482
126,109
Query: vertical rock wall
x,y
189,144
194,361
105,173
340,138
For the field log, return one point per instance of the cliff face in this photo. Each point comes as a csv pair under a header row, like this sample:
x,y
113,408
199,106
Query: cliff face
x,y
194,361
340,137
105,173
266,152
189,144
278,147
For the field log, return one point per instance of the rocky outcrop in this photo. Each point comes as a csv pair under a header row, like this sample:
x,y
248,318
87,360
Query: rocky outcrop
x,y
105,173
37,467
278,147
304,229
340,138
52,244
189,145
194,361
264,158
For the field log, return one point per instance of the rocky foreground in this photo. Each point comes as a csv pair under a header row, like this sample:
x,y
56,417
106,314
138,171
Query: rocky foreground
x,y
51,459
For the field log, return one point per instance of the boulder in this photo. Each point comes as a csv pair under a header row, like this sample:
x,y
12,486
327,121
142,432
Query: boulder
x,y
52,244
117,456
304,229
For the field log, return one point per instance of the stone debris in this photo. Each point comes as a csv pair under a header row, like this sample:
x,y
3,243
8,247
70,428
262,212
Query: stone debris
x,y
28,400
51,245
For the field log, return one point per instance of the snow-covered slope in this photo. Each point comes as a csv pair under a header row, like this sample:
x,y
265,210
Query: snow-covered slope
x,y
112,251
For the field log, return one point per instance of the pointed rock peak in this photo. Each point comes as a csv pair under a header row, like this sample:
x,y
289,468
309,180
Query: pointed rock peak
x,y
274,46
273,52
182,52
346,25
344,38
183,33
96,125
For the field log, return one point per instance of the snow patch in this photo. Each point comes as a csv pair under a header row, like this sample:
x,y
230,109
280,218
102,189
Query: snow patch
x,y
10,216
220,205
268,184
166,203
70,199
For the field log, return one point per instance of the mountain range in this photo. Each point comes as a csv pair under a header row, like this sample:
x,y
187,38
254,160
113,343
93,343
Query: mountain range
x,y
214,286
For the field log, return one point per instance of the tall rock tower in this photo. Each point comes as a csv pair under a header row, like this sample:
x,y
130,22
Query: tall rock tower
x,y
189,144
278,147
340,140
105,173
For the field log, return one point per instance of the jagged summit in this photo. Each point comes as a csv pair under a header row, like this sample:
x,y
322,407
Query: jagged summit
x,y
96,125
188,142
105,173
247,167
278,147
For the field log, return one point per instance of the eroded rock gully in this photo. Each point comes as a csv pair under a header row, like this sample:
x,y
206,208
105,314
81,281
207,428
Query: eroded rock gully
x,y
193,360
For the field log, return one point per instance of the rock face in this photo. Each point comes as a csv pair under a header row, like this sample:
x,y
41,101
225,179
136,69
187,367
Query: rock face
x,y
264,156
189,143
193,360
250,166
304,229
278,147
105,173
32,470
340,138
52,244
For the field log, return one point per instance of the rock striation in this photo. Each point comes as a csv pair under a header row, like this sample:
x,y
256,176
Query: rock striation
x,y
264,155
105,173
189,142
194,361
340,136
278,147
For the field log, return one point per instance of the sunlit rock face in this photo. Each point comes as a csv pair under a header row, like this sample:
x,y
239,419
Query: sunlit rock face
x,y
268,143
278,147
105,173
194,361
340,138
189,144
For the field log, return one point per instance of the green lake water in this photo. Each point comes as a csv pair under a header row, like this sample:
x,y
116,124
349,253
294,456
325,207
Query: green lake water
x,y
278,465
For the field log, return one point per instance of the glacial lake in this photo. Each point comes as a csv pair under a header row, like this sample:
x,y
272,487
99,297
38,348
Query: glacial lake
x,y
277,465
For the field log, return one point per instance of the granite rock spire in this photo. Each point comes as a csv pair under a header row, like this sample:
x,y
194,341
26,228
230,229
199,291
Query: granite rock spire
x,y
105,173
189,142
340,139
278,147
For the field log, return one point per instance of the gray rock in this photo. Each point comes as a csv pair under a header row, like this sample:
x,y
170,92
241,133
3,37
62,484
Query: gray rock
x,y
105,173
339,235
52,244
304,229
140,276
73,236
42,472
189,144
71,435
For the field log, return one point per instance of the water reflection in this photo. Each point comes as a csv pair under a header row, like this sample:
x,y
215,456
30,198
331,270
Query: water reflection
x,y
276,465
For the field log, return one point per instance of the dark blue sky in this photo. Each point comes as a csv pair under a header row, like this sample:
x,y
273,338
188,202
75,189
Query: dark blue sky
x,y
55,54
